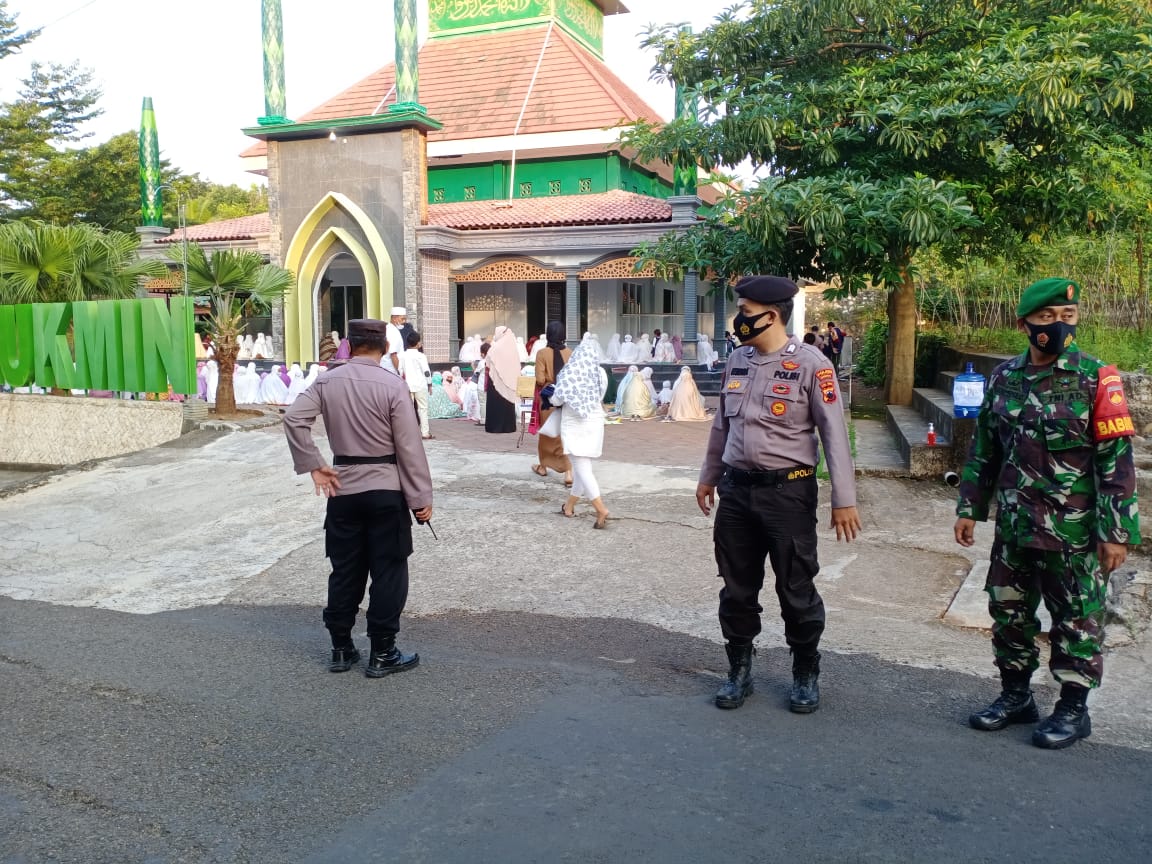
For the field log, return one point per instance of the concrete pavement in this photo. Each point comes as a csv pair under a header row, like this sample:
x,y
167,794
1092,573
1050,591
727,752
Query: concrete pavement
x,y
163,694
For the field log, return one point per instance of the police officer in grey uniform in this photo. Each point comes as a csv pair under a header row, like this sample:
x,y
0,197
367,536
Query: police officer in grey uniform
x,y
378,477
776,393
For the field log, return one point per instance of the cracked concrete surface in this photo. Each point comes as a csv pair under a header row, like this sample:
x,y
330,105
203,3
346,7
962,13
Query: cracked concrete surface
x,y
223,519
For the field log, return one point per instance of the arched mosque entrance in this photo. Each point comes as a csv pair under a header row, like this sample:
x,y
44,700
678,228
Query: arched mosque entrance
x,y
340,294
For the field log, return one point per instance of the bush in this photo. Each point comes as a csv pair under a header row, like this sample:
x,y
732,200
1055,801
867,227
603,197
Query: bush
x,y
872,360
1125,348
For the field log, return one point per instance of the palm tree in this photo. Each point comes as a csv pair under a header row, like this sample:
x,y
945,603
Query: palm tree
x,y
42,263
229,278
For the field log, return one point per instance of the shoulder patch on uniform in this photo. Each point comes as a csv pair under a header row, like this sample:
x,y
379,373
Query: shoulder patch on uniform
x,y
1110,415
825,374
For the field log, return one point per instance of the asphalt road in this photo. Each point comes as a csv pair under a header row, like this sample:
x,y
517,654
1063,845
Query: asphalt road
x,y
215,735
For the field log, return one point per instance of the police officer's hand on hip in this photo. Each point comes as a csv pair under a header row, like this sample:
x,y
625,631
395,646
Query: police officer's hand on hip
x,y
776,393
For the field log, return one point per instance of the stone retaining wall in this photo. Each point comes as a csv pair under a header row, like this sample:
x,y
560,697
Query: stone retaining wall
x,y
66,430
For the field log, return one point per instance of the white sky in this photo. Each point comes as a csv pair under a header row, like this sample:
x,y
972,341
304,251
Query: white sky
x,y
201,62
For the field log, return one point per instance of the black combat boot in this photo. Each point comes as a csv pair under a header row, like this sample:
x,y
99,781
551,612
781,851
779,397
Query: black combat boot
x,y
344,653
1014,705
739,684
805,695
1069,721
387,659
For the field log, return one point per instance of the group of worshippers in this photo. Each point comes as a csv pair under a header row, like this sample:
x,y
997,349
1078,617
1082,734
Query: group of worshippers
x,y
281,386
663,348
638,399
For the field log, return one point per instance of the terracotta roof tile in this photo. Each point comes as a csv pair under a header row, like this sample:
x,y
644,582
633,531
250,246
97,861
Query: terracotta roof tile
x,y
242,228
616,207
475,85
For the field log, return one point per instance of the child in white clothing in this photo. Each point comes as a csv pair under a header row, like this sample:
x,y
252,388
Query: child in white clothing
x,y
414,368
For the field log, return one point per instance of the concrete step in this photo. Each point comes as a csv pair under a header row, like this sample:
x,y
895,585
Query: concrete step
x,y
935,406
910,431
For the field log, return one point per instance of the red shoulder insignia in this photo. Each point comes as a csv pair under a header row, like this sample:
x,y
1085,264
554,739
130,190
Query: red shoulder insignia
x,y
1110,415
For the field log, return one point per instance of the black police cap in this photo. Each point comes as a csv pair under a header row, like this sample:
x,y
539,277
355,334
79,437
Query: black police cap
x,y
766,289
367,327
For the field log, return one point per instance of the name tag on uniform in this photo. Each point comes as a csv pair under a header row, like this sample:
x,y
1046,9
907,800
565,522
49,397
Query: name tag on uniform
x,y
740,372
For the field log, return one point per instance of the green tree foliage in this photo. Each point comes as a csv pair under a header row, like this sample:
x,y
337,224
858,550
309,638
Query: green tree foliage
x,y
42,263
230,279
883,127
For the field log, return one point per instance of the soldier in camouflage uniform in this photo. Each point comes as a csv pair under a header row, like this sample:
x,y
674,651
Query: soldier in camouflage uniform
x,y
1053,445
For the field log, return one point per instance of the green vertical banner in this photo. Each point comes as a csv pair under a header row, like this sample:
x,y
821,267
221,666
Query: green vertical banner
x,y
684,177
275,92
17,345
151,200
407,58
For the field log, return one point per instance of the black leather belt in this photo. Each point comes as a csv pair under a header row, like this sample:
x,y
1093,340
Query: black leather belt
x,y
364,460
739,477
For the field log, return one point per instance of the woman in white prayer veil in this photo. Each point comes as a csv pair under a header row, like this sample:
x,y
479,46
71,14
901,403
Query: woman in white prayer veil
x,y
521,351
687,403
612,355
664,352
313,374
245,349
644,349
664,398
646,374
540,342
272,389
260,350
212,376
470,399
628,351
247,385
705,354
469,351
296,374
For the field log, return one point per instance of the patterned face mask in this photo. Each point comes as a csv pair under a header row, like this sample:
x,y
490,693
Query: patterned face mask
x,y
1051,338
746,328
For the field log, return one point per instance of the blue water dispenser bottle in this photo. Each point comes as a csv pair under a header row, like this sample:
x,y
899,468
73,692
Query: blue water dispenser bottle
x,y
967,392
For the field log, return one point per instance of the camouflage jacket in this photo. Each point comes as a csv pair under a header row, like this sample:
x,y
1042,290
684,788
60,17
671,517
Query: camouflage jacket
x,y
1053,445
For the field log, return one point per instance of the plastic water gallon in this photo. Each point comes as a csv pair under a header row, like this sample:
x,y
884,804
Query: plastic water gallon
x,y
967,392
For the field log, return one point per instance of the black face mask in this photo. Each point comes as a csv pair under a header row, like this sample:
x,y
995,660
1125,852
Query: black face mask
x,y
745,327
1051,338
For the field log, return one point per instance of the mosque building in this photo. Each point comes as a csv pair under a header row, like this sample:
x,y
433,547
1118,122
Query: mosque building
x,y
476,181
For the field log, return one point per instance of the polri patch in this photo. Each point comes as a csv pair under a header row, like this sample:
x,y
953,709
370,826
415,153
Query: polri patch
x,y
779,409
781,389
790,365
735,385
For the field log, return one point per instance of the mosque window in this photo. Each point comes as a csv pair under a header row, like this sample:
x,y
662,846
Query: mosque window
x,y
585,184
630,293
553,187
469,193
437,196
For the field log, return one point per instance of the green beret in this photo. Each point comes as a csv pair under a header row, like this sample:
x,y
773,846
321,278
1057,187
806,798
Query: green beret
x,y
1054,291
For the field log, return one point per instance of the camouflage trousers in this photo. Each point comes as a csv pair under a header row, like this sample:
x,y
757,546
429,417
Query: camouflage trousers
x,y
1072,587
